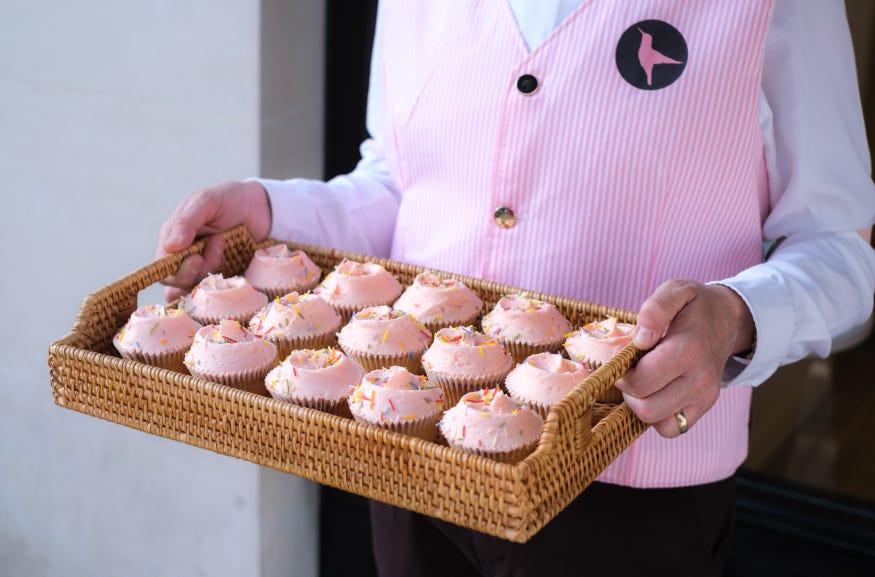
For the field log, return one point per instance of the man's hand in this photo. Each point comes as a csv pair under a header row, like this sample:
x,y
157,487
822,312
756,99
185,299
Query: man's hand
x,y
207,212
693,329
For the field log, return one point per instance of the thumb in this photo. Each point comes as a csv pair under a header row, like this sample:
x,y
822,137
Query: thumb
x,y
190,219
660,309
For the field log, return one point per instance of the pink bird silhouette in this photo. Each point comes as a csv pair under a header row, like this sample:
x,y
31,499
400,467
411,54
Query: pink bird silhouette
x,y
648,57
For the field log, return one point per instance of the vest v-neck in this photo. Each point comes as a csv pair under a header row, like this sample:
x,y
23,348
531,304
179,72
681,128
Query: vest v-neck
x,y
530,42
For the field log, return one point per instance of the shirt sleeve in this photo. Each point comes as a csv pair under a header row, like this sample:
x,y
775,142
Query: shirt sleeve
x,y
819,281
355,211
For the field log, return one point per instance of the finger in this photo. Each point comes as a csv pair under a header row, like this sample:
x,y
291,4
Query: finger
x,y
670,427
659,309
653,371
173,293
191,219
662,404
213,252
187,274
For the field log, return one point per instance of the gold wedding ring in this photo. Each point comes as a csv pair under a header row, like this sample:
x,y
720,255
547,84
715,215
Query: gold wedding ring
x,y
682,422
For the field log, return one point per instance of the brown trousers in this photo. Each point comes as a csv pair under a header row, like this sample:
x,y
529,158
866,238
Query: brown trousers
x,y
608,530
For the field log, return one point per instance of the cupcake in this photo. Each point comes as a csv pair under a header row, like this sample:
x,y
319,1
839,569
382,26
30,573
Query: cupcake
x,y
320,379
379,337
543,380
598,341
439,302
216,298
353,286
157,335
296,321
492,424
277,271
462,360
526,326
229,354
397,400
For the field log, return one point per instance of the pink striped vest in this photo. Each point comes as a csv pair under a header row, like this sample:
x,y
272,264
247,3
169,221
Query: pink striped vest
x,y
615,187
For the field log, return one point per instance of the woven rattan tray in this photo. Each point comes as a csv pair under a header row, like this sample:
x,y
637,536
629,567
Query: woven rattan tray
x,y
579,439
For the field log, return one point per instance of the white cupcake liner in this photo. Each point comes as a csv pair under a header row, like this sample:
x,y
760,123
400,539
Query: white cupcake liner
x,y
520,351
424,427
285,345
411,360
457,386
172,360
512,456
251,380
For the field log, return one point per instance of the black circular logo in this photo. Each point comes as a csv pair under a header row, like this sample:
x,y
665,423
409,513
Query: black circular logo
x,y
651,54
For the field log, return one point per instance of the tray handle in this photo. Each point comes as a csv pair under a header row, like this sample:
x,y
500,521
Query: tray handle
x,y
104,311
568,428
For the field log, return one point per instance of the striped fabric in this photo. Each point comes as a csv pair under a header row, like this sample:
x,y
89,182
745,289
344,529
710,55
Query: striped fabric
x,y
616,189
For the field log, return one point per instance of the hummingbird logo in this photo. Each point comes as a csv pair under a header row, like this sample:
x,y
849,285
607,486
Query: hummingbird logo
x,y
651,54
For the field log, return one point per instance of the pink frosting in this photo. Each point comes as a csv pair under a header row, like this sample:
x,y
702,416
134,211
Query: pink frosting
x,y
155,329
383,331
434,299
598,341
464,351
489,420
357,285
294,316
522,319
218,297
395,395
545,378
314,374
228,348
276,267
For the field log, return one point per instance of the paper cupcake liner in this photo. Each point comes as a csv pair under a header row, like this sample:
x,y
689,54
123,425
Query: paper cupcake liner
x,y
284,345
512,456
445,324
338,407
457,386
521,351
251,380
370,362
346,312
273,292
173,360
243,318
424,427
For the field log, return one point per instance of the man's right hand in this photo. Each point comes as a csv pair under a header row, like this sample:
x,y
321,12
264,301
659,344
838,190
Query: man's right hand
x,y
207,212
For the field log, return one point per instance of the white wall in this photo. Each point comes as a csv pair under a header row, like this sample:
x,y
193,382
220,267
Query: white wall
x,y
110,112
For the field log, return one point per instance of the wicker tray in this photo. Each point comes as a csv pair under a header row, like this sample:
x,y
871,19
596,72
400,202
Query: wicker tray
x,y
580,437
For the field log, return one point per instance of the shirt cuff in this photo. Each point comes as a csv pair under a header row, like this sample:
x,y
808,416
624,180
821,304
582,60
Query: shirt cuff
x,y
769,300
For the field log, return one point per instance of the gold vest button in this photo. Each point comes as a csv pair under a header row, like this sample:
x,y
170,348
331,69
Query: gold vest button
x,y
504,217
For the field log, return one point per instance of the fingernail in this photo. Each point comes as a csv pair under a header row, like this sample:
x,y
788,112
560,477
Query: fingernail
x,y
643,337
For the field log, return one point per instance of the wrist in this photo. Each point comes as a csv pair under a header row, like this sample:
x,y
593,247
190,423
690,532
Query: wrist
x,y
744,341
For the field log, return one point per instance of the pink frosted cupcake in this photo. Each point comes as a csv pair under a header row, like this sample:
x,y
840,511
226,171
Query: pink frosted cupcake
x,y
595,344
157,335
491,424
380,337
397,400
320,379
353,286
526,326
439,302
277,271
462,360
216,298
598,341
296,321
229,354
544,379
